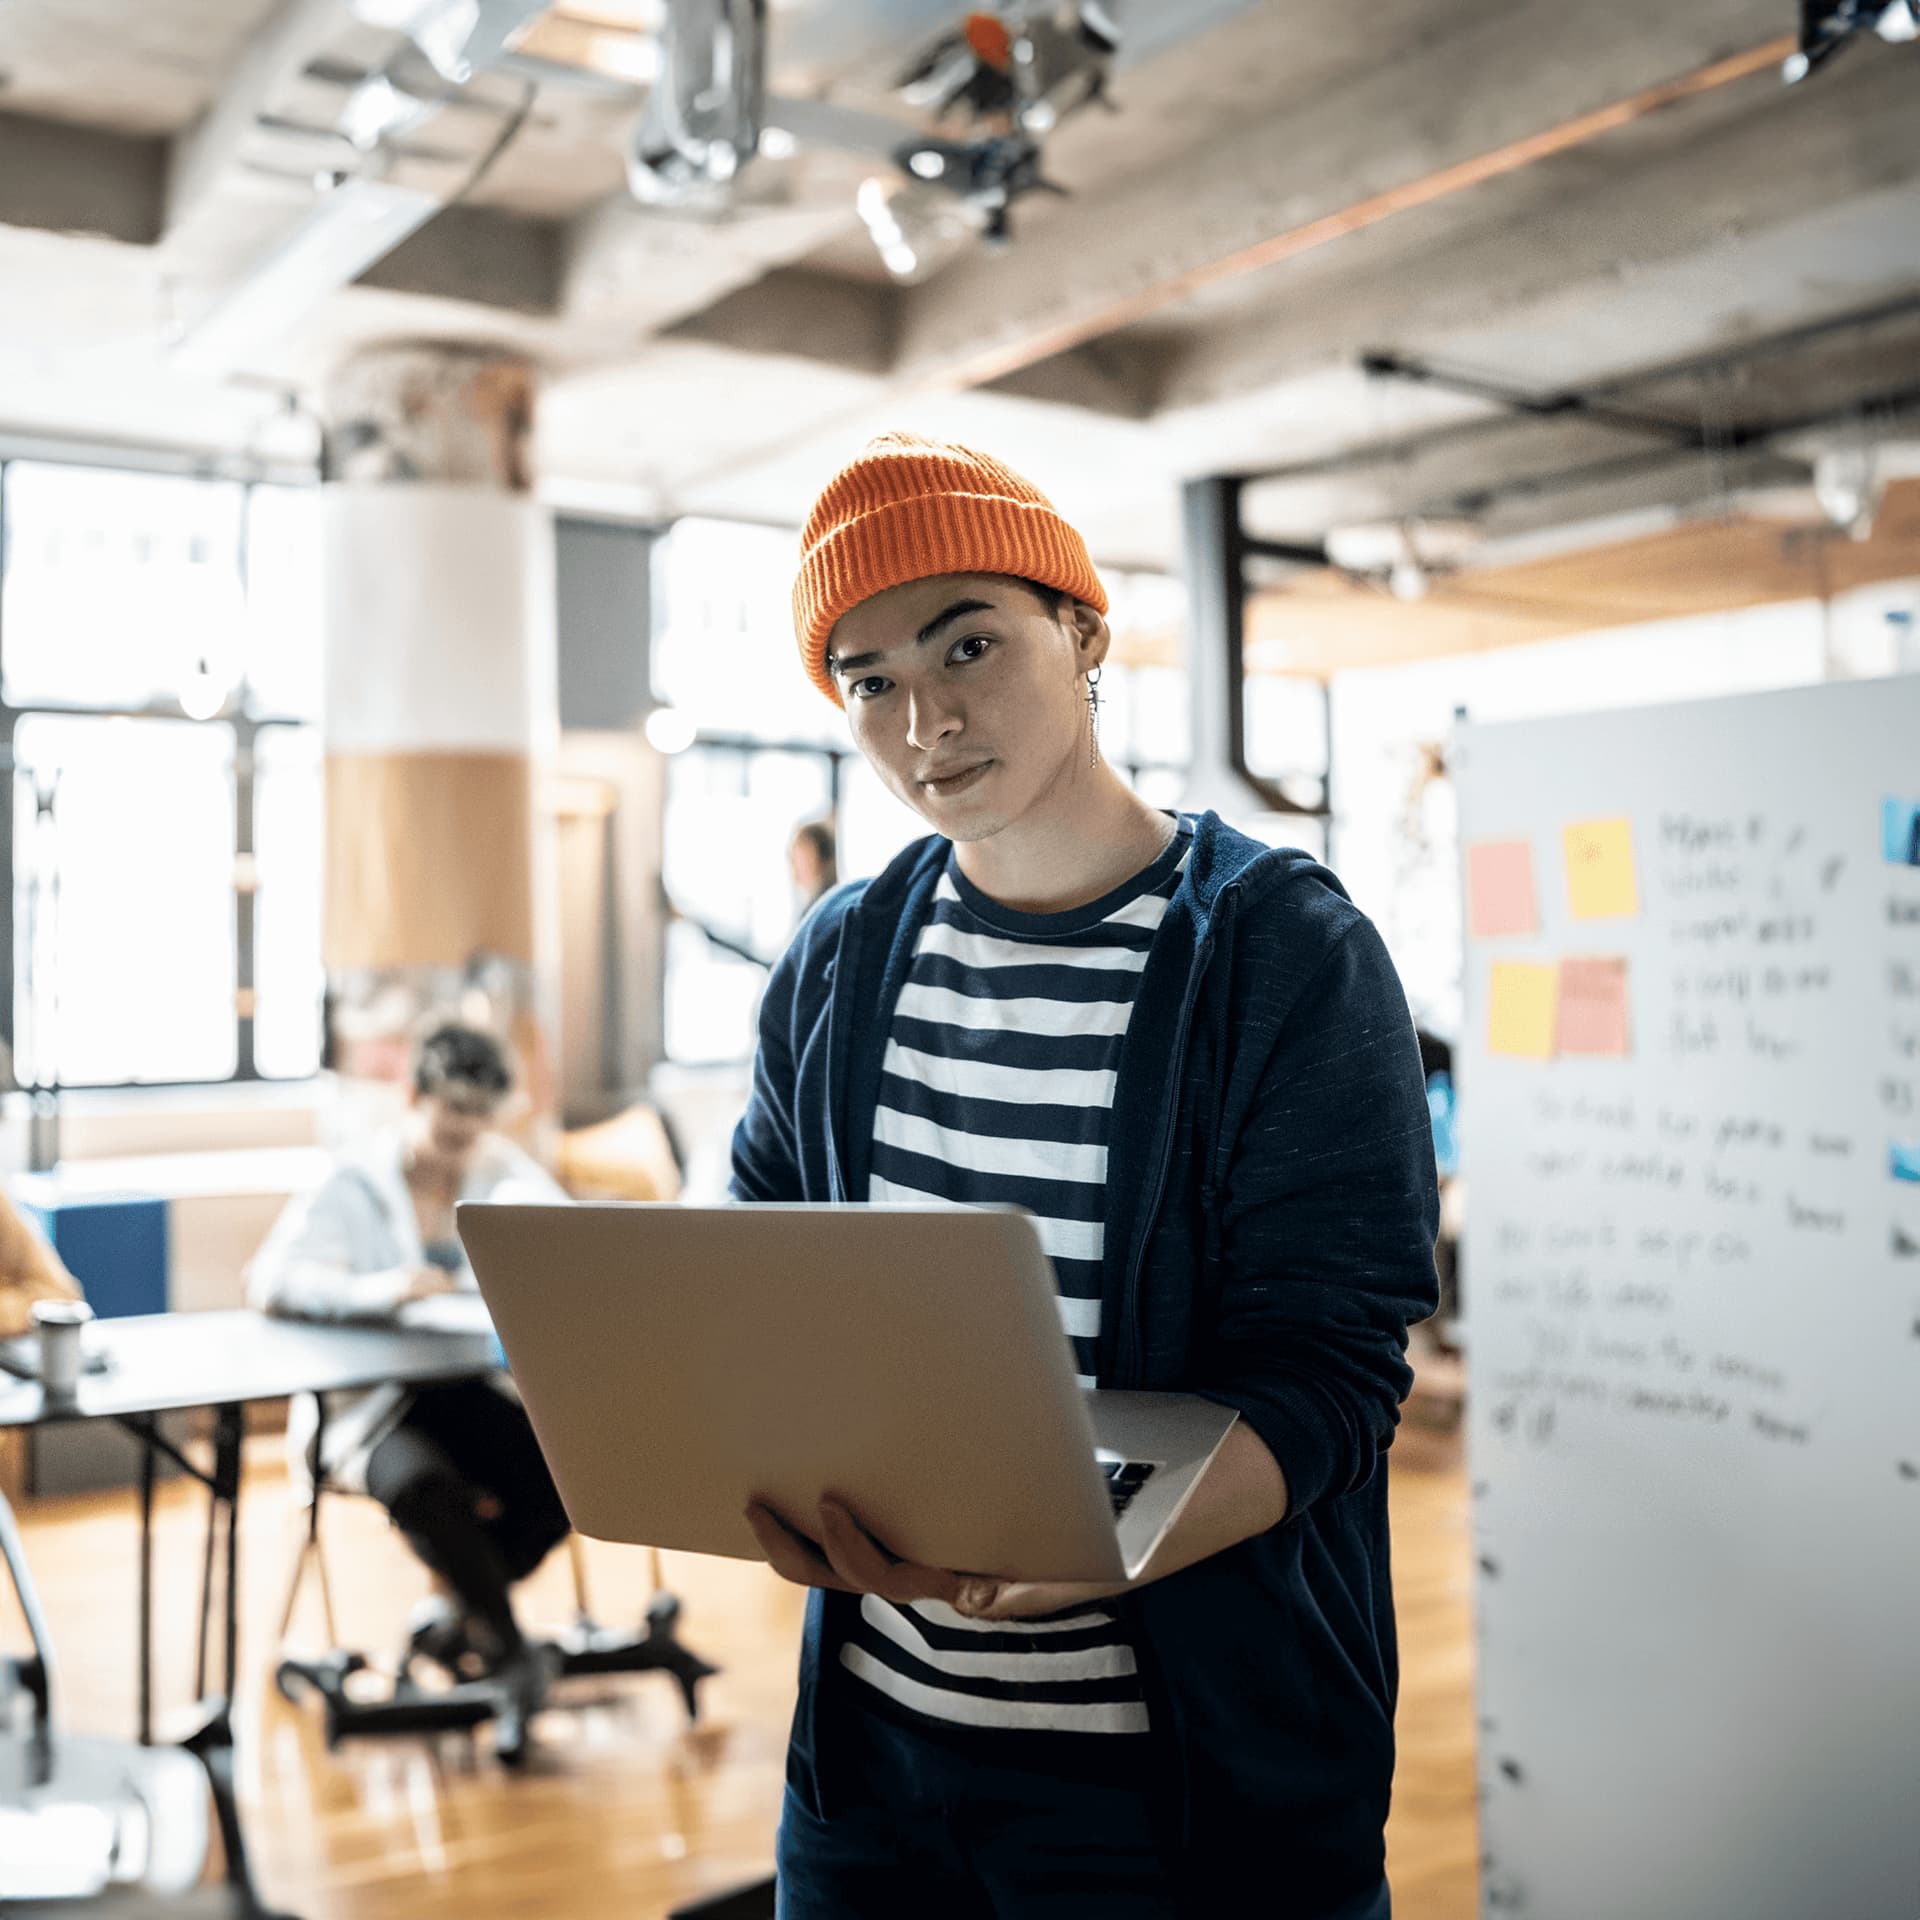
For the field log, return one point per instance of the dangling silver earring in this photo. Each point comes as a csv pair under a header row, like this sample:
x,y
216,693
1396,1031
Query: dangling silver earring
x,y
1093,716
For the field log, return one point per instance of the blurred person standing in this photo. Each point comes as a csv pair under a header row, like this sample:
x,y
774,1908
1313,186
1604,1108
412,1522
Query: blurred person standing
x,y
813,860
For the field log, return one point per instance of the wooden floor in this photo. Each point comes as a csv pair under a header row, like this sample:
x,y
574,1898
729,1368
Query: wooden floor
x,y
626,1810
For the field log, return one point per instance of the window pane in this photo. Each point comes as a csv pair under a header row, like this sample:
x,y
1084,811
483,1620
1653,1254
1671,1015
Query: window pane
x,y
1162,787
729,817
713,998
289,981
123,900
725,651
1287,734
119,588
1160,731
283,614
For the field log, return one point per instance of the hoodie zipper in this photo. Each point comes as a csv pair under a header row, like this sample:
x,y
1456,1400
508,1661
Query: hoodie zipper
x,y
839,1186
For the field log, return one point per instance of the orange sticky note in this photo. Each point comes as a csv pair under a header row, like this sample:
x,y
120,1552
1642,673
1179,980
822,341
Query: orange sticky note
x,y
1600,876
1594,1010
1500,889
1520,1009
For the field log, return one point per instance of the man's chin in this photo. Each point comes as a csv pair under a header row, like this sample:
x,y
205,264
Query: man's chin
x,y
960,821
965,834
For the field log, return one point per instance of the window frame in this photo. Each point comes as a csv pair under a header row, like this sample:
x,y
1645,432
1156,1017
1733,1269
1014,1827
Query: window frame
x,y
247,724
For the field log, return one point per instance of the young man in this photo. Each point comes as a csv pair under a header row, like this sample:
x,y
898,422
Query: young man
x,y
1188,1056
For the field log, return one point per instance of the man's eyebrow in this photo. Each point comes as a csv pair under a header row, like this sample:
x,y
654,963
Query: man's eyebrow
x,y
931,631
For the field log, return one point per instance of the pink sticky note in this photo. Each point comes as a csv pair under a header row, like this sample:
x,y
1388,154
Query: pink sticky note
x,y
1594,1012
1500,888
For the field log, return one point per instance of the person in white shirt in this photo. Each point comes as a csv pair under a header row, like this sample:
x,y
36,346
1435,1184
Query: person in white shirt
x,y
456,1466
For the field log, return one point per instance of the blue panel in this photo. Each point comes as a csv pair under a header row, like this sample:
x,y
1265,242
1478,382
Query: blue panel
x,y
115,1248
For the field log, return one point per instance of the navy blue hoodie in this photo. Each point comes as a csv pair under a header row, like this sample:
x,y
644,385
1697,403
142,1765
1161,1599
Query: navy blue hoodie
x,y
1271,1214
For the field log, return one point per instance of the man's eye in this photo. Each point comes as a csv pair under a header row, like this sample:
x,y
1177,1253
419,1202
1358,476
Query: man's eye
x,y
974,647
868,688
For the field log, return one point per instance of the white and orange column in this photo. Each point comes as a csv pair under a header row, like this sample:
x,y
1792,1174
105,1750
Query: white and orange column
x,y
440,702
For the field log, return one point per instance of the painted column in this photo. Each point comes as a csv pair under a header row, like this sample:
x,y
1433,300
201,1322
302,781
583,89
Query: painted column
x,y
440,704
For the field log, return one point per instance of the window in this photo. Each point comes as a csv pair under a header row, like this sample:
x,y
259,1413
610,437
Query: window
x,y
290,983
121,589
723,648
768,753
729,812
128,922
159,673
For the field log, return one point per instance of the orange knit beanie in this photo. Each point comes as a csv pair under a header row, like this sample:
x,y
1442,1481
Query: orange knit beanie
x,y
908,509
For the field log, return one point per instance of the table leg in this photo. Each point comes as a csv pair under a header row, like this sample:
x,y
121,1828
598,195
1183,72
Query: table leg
x,y
229,1432
146,1585
206,1592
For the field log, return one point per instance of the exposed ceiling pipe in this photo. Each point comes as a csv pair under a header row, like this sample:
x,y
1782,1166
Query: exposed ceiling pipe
x,y
1727,359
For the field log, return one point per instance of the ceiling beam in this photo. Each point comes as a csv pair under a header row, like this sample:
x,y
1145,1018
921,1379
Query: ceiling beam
x,y
1515,88
80,180
799,314
1700,243
1121,377
641,270
479,254
206,155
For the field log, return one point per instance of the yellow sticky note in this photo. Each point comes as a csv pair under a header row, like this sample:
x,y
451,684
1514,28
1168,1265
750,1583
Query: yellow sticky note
x,y
1521,1005
1600,877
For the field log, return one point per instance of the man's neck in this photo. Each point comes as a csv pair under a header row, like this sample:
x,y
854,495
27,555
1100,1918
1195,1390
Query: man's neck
x,y
1075,847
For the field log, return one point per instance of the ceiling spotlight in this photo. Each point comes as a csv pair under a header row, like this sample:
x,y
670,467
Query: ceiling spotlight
x,y
203,694
928,162
377,110
670,731
703,121
1827,25
1407,581
1849,486
915,225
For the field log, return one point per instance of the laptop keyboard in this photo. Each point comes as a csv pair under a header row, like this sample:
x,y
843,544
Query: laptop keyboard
x,y
1125,1478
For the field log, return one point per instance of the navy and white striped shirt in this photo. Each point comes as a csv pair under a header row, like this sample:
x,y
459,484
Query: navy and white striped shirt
x,y
997,1089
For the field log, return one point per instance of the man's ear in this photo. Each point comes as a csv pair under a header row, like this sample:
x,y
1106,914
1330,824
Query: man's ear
x,y
1092,637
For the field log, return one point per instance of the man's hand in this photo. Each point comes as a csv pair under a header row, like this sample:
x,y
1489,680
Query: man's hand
x,y
1243,1493
846,1558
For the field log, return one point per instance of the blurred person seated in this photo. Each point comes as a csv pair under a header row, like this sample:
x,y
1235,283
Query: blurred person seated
x,y
456,1466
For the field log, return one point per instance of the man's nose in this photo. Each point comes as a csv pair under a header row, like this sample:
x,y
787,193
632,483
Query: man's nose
x,y
929,721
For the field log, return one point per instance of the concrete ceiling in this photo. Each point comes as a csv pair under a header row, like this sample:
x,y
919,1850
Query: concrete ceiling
x,y
1551,197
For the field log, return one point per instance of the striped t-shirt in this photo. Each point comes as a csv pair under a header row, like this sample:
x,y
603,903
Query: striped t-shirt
x,y
997,1089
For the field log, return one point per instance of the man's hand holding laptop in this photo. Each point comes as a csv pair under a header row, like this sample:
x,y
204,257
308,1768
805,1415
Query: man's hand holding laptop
x,y
1242,1494
847,1557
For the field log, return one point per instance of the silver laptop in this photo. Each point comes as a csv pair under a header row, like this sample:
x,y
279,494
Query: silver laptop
x,y
679,1361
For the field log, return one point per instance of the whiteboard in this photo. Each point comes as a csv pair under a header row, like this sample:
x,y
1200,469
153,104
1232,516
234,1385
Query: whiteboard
x,y
1692,1281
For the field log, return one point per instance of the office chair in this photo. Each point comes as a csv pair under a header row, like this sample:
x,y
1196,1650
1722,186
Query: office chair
x,y
85,1819
408,1706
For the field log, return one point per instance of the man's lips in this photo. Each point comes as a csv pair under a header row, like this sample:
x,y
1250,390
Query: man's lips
x,y
952,776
